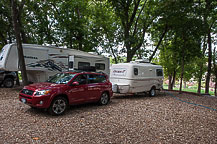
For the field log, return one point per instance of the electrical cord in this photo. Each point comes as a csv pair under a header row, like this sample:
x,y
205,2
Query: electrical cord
x,y
191,103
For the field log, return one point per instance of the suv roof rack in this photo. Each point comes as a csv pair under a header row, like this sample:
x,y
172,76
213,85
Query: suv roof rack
x,y
82,71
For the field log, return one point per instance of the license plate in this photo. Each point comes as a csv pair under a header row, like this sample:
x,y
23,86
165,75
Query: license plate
x,y
23,100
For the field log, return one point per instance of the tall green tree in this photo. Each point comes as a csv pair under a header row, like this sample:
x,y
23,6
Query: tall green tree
x,y
108,25
39,21
210,17
74,24
136,17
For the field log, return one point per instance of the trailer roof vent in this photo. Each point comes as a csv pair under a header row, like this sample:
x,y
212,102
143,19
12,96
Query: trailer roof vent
x,y
94,53
142,61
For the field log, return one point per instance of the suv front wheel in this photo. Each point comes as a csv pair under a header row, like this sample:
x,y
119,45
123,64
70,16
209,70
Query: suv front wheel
x,y
8,82
58,106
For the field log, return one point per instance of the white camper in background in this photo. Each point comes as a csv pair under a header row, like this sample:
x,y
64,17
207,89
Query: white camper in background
x,y
135,77
43,61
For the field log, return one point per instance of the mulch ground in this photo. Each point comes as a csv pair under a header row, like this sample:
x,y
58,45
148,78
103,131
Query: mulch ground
x,y
126,119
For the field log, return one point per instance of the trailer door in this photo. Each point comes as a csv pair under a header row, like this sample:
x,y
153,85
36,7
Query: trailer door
x,y
71,62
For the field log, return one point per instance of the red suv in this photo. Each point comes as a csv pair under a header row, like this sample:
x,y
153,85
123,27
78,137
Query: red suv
x,y
67,88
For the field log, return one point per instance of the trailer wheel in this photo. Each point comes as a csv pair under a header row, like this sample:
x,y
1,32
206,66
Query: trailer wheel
x,y
152,92
104,99
8,82
58,106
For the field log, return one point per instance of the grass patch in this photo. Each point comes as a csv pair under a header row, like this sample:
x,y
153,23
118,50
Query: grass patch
x,y
192,89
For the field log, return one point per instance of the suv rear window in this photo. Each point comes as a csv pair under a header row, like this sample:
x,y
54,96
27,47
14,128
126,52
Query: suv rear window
x,y
93,78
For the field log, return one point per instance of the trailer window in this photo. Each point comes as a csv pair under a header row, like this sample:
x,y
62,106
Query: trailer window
x,y
83,65
100,66
136,71
159,72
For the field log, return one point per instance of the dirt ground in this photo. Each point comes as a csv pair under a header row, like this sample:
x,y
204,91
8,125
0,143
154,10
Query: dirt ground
x,y
166,118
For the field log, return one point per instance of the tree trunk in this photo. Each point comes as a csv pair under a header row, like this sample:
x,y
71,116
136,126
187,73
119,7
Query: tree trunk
x,y
116,61
23,35
200,78
80,41
129,55
174,79
182,73
79,37
209,63
128,46
18,80
19,42
201,66
216,85
199,86
185,84
170,82
113,53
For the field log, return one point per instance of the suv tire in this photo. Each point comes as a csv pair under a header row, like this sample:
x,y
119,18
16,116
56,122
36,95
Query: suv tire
x,y
104,99
58,106
8,82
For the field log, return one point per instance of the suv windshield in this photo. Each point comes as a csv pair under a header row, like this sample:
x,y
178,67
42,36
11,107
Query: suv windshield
x,y
61,78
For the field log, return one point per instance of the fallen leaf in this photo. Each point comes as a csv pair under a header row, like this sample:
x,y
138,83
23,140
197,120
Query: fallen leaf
x,y
35,138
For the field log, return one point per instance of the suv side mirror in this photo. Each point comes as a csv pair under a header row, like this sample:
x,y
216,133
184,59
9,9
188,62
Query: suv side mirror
x,y
75,83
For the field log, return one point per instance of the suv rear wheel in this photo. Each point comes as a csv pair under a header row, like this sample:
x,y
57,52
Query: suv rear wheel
x,y
58,106
8,82
104,99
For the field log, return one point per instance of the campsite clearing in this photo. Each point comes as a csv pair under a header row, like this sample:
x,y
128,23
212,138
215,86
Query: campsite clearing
x,y
127,119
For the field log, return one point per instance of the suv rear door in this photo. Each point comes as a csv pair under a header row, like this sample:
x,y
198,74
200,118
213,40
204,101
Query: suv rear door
x,y
96,85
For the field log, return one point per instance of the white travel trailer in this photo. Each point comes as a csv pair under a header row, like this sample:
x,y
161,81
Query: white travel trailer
x,y
135,77
44,61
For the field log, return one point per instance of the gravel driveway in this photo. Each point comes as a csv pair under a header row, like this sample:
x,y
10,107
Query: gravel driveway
x,y
127,119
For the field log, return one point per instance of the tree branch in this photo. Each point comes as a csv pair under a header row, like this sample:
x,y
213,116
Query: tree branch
x,y
20,7
55,8
137,19
143,35
134,12
159,42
